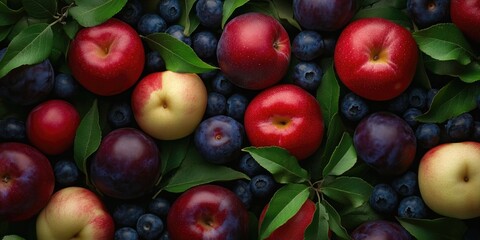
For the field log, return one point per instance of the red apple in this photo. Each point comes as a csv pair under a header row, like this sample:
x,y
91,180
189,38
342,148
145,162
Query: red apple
x,y
465,14
376,58
51,126
107,59
294,228
286,116
26,181
207,212
254,51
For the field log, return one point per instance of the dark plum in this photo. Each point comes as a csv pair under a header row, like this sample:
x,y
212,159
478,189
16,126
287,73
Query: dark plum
x,y
323,15
170,10
307,75
426,13
385,142
380,229
307,45
126,165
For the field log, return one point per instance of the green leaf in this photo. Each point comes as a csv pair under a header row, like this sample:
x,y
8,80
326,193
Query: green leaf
x,y
334,133
9,16
393,14
328,94
318,228
32,45
354,216
445,42
71,28
188,19
453,99
89,13
350,191
4,31
421,77
172,153
229,7
285,12
252,226
335,222
343,158
195,171
59,46
467,73
434,229
23,23
178,56
40,8
88,137
282,165
12,237
283,205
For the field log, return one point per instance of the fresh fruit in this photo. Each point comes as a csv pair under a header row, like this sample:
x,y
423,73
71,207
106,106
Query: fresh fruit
x,y
253,51
65,86
126,164
12,129
353,107
376,58
207,212
307,75
127,214
262,186
209,12
412,207
66,173
464,15
447,177
323,15
385,142
459,127
159,206
51,126
27,181
286,116
380,229
383,199
75,212
204,44
170,10
428,135
236,106
406,184
107,59
307,45
150,23
149,226
426,13
169,105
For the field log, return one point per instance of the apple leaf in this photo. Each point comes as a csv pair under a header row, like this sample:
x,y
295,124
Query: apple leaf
x,y
283,205
280,163
88,137
195,171
188,19
468,73
9,16
351,191
335,222
172,153
343,157
434,229
328,94
40,8
318,228
32,45
4,31
393,14
334,133
444,42
285,12
453,99
89,13
71,28
354,216
229,7
178,56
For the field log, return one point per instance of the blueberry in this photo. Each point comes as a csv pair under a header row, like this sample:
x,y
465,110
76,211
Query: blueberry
x,y
159,206
149,226
177,31
236,106
127,214
170,10
383,199
219,139
151,23
248,165
262,186
126,233
353,107
399,104
208,75
120,115
66,172
222,85
412,207
13,129
406,184
165,236
460,127
431,93
65,86
426,13
154,62
209,12
242,189
410,114
307,45
131,12
417,97
307,75
204,44
216,104
428,135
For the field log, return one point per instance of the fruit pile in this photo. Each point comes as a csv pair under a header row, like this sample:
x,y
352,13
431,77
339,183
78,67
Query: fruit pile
x,y
237,119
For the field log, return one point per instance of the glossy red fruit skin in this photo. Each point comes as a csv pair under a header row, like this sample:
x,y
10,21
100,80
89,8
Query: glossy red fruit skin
x,y
465,14
285,116
207,212
294,228
107,59
51,126
254,51
376,58
27,181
